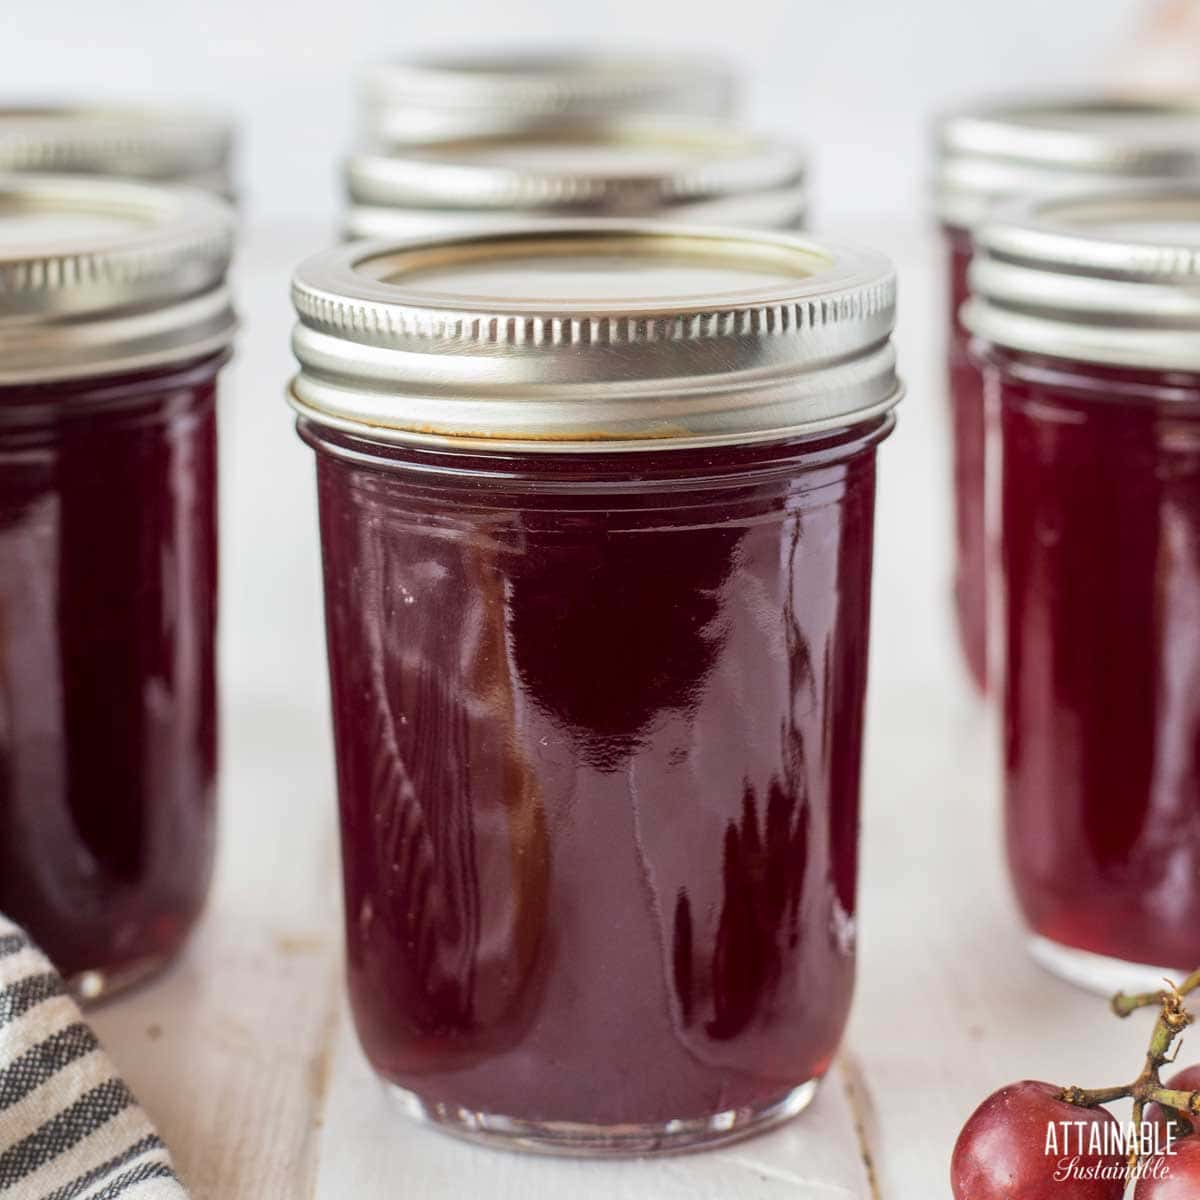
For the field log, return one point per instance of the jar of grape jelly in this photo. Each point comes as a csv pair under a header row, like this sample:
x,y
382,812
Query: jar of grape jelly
x,y
596,512
695,173
159,145
1087,315
482,95
1004,151
114,322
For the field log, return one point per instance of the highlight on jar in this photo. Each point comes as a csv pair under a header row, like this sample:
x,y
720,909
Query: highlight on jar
x,y
115,321
596,512
992,153
1085,322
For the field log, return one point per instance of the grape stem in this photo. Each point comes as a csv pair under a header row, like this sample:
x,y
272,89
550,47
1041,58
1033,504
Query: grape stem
x,y
1147,1088
1123,1005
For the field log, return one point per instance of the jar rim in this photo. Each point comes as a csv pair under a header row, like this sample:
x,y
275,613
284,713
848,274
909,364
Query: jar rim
x,y
605,470
447,339
627,169
103,276
1106,277
189,146
784,208
991,152
456,93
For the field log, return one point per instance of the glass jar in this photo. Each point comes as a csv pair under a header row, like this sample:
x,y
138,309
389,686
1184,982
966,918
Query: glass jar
x,y
992,153
156,145
502,93
968,444
1087,319
596,515
694,173
114,322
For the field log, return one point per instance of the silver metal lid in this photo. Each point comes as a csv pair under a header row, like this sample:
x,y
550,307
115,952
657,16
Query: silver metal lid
x,y
1002,151
484,95
1112,278
159,145
102,276
703,174
587,336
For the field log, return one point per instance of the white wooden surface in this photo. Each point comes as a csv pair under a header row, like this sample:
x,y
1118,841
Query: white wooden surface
x,y
243,1053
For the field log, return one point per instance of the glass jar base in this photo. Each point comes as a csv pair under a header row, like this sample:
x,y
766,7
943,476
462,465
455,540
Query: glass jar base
x,y
1097,972
569,1138
97,985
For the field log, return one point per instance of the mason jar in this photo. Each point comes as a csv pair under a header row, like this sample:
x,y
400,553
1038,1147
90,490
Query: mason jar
x,y
991,153
115,320
440,97
693,173
156,145
596,513
1087,324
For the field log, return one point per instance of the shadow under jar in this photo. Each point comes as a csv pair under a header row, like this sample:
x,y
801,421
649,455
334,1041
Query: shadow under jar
x,y
114,323
1088,330
996,153
596,515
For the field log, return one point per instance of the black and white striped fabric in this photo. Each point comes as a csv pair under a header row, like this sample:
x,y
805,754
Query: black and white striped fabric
x,y
69,1127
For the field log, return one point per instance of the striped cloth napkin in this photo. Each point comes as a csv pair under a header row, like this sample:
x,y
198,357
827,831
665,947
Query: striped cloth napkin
x,y
69,1127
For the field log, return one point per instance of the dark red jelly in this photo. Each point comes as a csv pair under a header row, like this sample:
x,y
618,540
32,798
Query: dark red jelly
x,y
108,731
1100,564
598,722
965,383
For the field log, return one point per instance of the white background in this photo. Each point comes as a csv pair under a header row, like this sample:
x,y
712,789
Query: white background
x,y
854,79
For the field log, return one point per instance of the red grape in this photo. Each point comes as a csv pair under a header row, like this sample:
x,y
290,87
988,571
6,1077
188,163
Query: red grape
x,y
1181,1174
1002,1151
1187,1080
